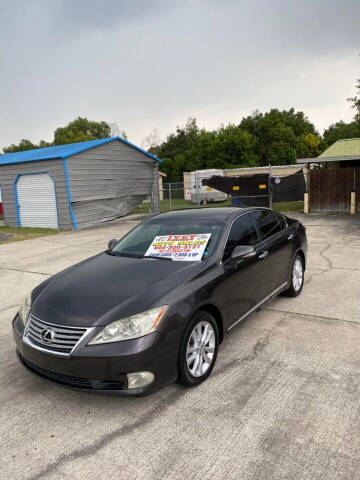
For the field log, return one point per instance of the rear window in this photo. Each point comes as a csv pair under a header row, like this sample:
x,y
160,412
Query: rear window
x,y
268,222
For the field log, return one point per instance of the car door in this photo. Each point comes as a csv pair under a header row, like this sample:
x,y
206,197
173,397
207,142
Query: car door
x,y
278,242
247,284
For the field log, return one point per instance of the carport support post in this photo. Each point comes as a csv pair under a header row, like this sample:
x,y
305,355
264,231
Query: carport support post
x,y
270,188
197,191
353,195
352,203
306,194
306,202
155,194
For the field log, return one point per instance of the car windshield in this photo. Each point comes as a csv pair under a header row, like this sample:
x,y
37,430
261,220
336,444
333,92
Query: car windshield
x,y
138,241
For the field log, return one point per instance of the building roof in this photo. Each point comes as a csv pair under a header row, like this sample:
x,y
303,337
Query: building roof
x,y
62,151
341,150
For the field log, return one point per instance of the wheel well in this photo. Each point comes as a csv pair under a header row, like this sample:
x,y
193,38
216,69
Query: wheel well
x,y
301,253
215,312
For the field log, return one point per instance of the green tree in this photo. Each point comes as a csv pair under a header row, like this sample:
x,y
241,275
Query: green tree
x,y
277,135
44,144
23,145
356,102
178,143
175,151
228,147
340,130
309,146
81,130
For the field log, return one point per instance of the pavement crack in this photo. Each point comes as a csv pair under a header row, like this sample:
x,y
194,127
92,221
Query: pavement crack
x,y
330,266
324,257
89,450
25,271
8,308
288,312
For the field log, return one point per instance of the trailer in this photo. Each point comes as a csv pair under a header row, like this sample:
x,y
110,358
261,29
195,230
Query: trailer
x,y
204,194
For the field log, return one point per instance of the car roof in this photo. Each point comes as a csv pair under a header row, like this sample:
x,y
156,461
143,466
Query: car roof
x,y
206,213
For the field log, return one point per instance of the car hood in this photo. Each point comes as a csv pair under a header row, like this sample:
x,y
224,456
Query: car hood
x,y
105,288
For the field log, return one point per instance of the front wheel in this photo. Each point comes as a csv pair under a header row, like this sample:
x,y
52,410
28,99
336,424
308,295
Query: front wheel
x,y
297,277
198,349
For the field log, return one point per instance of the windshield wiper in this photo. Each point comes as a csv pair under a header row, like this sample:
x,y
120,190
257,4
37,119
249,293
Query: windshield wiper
x,y
158,258
116,254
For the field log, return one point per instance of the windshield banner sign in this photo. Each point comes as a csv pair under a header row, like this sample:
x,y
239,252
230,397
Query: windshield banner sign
x,y
187,247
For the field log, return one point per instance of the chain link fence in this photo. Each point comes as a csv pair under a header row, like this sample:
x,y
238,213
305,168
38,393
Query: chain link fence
x,y
263,186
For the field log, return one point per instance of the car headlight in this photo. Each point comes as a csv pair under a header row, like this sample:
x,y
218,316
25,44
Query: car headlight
x,y
24,309
130,327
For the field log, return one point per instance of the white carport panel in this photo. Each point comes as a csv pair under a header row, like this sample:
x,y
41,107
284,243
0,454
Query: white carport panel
x,y
37,201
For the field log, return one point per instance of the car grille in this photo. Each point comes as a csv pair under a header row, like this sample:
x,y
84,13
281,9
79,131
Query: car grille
x,y
76,382
53,338
58,377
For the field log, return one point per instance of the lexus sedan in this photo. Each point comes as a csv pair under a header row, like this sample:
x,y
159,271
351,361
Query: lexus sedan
x,y
143,313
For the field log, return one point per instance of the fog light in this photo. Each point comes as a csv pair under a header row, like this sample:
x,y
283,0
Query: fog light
x,y
139,379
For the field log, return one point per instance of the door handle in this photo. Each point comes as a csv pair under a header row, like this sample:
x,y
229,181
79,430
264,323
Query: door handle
x,y
291,236
264,254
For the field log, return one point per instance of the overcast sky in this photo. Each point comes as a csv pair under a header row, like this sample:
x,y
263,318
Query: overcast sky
x,y
152,64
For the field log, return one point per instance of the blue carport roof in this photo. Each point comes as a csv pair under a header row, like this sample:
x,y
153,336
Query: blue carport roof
x,y
62,151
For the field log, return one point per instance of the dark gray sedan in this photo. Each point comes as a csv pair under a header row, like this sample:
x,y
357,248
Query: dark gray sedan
x,y
132,319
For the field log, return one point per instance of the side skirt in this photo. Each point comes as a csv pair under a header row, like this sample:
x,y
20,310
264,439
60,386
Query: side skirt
x,y
267,298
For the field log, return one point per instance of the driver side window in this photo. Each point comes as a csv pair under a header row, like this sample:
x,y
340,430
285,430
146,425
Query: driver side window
x,y
242,232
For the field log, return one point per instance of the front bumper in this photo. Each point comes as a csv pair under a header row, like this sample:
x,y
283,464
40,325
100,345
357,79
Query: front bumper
x,y
103,368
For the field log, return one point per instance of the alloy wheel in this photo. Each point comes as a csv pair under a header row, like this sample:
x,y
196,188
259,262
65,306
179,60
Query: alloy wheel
x,y
200,349
297,274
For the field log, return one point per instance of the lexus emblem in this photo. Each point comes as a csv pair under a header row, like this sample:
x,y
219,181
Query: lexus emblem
x,y
47,335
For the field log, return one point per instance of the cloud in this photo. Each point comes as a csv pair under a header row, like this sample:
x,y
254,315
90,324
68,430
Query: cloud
x,y
146,64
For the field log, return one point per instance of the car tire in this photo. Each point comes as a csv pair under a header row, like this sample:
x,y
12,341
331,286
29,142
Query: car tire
x,y
197,356
296,277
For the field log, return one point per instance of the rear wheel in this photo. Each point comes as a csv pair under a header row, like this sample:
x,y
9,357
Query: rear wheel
x,y
297,277
198,350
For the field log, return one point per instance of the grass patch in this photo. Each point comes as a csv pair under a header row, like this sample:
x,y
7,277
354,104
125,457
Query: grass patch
x,y
177,204
23,233
289,206
180,203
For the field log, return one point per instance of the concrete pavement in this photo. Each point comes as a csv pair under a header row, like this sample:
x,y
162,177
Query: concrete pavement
x,y
282,402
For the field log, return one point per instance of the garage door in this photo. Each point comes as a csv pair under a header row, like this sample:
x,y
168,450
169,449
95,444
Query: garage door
x,y
37,201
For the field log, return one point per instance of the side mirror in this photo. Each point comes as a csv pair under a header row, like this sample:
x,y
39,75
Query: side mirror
x,y
112,243
240,252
